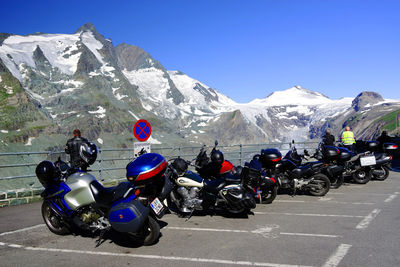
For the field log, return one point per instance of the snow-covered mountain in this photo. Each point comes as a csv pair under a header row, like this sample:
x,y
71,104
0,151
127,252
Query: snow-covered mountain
x,y
53,83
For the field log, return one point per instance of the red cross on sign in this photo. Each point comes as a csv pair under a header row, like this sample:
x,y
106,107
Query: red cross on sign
x,y
142,130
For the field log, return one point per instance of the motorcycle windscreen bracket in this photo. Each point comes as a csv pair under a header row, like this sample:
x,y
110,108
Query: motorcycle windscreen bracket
x,y
367,161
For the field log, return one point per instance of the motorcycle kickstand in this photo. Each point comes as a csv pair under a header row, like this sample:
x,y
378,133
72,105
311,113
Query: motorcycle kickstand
x,y
100,240
190,215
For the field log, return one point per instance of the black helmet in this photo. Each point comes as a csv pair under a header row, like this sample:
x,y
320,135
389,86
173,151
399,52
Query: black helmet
x,y
88,152
47,173
217,156
180,165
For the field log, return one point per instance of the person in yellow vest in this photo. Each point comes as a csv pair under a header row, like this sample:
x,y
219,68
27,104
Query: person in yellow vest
x,y
348,139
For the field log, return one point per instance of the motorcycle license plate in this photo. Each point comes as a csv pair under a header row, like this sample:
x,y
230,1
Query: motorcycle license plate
x,y
157,206
367,161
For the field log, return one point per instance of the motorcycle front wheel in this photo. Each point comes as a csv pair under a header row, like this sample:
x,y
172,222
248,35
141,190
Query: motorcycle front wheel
x,y
383,176
149,233
267,196
362,176
53,221
319,185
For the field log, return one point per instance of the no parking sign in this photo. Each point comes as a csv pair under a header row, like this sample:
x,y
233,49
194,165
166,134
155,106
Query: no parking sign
x,y
142,132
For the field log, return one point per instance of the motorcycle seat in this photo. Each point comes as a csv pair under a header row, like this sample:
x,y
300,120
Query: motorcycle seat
x,y
232,179
214,186
105,196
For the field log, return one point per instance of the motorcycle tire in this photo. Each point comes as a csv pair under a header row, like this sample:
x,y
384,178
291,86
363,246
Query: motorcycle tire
x,y
149,233
268,196
362,176
53,221
324,183
338,182
383,176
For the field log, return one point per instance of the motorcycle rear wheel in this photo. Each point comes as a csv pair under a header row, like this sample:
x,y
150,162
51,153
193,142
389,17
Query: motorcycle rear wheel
x,y
268,196
149,233
362,176
52,220
384,175
323,185
338,182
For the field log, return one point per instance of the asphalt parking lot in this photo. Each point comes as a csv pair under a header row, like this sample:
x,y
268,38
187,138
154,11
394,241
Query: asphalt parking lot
x,y
355,225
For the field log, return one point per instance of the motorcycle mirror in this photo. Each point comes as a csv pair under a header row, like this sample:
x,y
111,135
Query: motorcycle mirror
x,y
216,143
292,141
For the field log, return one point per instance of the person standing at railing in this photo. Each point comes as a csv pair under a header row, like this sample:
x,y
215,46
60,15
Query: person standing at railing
x,y
73,149
348,139
328,139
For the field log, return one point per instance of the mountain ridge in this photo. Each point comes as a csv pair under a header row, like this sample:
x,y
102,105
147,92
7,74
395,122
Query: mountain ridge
x,y
82,80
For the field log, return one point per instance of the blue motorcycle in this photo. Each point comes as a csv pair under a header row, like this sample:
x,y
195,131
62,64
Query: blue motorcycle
x,y
73,199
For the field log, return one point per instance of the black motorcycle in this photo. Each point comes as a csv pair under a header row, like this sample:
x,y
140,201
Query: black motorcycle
x,y
292,174
191,192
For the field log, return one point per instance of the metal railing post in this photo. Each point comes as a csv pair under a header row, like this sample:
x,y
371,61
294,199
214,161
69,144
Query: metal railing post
x,y
240,154
101,165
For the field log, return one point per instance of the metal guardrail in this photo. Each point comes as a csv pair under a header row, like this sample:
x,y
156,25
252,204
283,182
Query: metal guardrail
x,y
111,162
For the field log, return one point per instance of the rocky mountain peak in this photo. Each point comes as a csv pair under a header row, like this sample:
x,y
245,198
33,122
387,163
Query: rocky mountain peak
x,y
87,27
131,57
365,99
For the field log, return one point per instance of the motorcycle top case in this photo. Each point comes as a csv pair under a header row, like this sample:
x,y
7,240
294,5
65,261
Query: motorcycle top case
x,y
389,147
345,154
372,145
330,152
270,157
146,168
128,215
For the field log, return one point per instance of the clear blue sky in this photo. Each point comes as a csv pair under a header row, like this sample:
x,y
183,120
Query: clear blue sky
x,y
245,49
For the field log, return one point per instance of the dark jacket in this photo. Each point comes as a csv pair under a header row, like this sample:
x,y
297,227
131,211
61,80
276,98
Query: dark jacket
x,y
72,148
328,139
382,140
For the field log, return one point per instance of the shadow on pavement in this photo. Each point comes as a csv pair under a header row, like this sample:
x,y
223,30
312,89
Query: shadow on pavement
x,y
396,165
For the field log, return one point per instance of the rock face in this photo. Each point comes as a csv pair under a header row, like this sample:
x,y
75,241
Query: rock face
x,y
366,99
51,84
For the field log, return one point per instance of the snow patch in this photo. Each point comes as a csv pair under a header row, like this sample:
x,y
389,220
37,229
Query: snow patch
x,y
30,139
133,114
100,111
4,131
100,140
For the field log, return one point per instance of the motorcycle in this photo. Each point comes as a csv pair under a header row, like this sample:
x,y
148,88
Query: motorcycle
x,y
380,170
192,192
265,188
75,200
292,174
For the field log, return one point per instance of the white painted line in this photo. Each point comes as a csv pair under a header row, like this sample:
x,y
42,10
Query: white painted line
x,y
326,200
263,230
313,235
390,198
290,201
22,230
308,214
205,229
156,257
337,256
368,219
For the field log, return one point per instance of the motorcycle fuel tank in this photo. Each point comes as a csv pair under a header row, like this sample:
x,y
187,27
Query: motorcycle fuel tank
x,y
190,179
80,194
